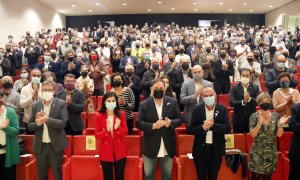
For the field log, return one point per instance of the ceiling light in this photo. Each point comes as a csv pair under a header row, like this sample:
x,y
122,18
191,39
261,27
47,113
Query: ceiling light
x,y
270,6
194,3
195,9
159,2
230,10
251,11
245,4
98,4
173,9
124,4
90,10
221,3
149,10
73,5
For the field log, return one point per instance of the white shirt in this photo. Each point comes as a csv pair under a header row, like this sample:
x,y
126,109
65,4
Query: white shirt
x,y
47,64
197,86
46,137
209,133
162,150
185,77
254,76
239,49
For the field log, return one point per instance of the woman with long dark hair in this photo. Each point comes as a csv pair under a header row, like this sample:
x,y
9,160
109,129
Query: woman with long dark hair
x,y
111,128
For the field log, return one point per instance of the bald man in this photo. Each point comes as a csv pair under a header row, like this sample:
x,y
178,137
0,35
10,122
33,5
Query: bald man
x,y
11,97
209,123
191,90
271,81
134,82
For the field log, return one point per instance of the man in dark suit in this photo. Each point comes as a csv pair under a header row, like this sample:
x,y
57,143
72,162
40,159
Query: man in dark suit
x,y
48,120
294,157
243,100
209,123
75,100
181,75
48,65
128,59
71,66
223,68
158,117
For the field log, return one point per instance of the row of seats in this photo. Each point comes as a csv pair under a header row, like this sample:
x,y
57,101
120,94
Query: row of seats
x,y
78,159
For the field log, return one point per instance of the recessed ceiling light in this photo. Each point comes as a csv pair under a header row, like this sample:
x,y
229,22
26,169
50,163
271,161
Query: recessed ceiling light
x,y
98,4
245,4
124,4
73,5
90,10
159,2
149,10
251,11
220,3
195,9
270,6
173,9
194,3
230,10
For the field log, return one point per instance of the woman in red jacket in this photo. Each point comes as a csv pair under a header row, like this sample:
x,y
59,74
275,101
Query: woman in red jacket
x,y
110,128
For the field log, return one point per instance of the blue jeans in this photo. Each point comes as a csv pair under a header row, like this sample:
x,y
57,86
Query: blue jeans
x,y
166,164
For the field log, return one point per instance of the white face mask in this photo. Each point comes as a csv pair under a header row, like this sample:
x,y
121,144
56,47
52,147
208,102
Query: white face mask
x,y
117,52
47,96
32,44
47,58
244,80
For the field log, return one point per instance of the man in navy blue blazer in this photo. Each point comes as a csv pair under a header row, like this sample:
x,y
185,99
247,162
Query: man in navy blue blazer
x,y
128,59
48,65
158,117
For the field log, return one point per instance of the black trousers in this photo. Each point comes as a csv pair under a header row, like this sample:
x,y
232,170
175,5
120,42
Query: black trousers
x,y
49,157
27,130
98,92
119,166
294,171
7,173
208,164
129,123
69,130
241,128
256,176
222,87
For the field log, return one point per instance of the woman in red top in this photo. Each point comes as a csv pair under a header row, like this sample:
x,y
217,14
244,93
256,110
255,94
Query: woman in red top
x,y
110,128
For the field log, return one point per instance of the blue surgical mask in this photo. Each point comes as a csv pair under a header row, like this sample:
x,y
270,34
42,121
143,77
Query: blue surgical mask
x,y
111,105
281,65
209,101
36,80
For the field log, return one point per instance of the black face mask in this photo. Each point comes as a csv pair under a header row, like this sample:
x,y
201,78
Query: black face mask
x,y
181,51
256,56
137,46
265,106
286,55
208,50
147,45
223,55
8,50
158,94
261,44
155,67
250,60
84,74
7,85
171,59
70,59
129,74
102,45
53,55
185,66
85,49
117,83
128,53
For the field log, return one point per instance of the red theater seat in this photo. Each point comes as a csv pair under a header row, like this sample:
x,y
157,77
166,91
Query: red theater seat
x,y
186,168
79,146
180,131
142,98
85,167
83,116
263,86
284,142
278,174
15,78
94,99
240,142
24,160
286,167
224,100
226,173
107,87
134,168
133,144
91,119
28,140
184,144
134,114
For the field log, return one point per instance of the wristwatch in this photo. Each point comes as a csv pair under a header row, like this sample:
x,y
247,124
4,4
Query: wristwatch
x,y
280,125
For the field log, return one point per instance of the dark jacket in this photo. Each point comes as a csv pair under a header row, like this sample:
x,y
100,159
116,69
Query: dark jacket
x,y
147,115
136,89
221,126
294,124
75,108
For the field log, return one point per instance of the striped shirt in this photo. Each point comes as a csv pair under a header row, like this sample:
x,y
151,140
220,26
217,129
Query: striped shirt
x,y
129,100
